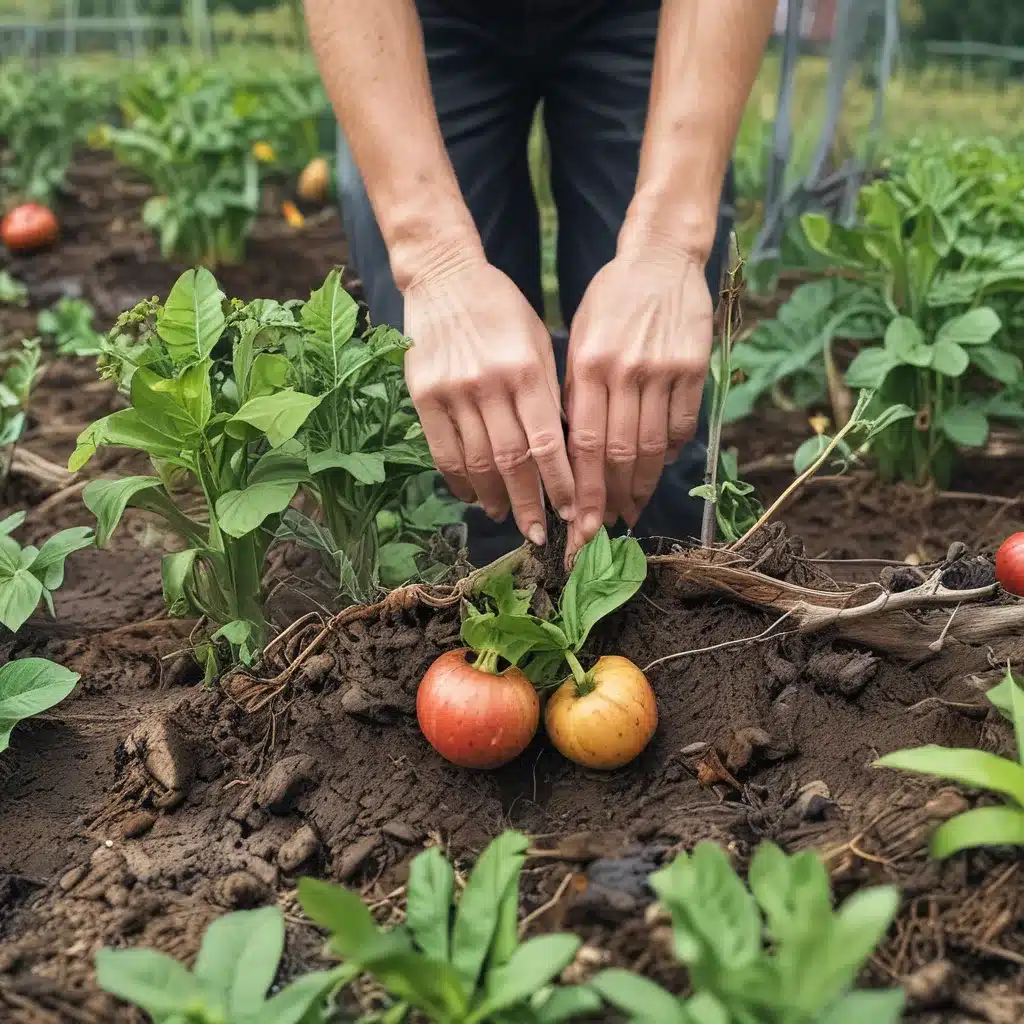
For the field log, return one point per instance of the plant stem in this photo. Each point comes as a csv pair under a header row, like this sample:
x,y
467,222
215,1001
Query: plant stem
x,y
584,680
487,661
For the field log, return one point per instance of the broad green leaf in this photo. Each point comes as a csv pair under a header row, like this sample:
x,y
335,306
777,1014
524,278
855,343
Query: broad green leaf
x,y
342,913
192,319
949,359
28,687
1001,696
643,1001
241,512
432,986
1004,367
528,969
976,768
127,428
239,955
965,425
331,313
49,563
107,500
11,523
793,892
870,367
189,392
429,902
606,575
904,341
512,636
20,594
976,327
983,826
153,981
566,1002
366,467
396,562
175,577
280,464
295,1001
405,453
479,907
278,416
884,1007
269,374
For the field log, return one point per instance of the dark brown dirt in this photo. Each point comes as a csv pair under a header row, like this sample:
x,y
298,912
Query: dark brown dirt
x,y
144,805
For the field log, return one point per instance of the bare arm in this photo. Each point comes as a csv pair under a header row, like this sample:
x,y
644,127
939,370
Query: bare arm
x,y
641,340
481,371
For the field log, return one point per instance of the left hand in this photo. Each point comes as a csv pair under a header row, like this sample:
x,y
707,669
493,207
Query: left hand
x,y
638,357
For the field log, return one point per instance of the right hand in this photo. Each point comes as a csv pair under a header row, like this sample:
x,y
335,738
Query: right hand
x,y
481,373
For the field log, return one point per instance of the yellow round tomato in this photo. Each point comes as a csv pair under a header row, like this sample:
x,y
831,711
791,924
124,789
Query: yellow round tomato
x,y
606,722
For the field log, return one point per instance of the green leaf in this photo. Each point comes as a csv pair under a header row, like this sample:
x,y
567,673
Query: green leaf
x,y
976,327
175,576
983,826
331,313
189,393
28,687
239,955
127,428
639,998
153,981
430,985
429,902
11,523
279,415
479,907
949,359
366,467
512,636
20,594
904,341
342,913
191,321
107,500
294,1003
241,512
566,1002
405,453
861,1007
1001,696
965,425
49,563
528,969
1004,367
976,768
870,367
396,562
606,575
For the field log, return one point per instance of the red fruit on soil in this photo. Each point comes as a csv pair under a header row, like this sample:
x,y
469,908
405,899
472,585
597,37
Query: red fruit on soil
x,y
1010,564
27,227
473,718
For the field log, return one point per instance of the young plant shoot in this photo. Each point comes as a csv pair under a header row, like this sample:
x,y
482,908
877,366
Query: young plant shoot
x,y
482,713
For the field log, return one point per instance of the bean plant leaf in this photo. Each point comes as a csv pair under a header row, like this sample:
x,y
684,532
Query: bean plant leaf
x,y
949,359
904,340
396,562
241,512
294,1003
331,313
239,955
127,428
982,826
108,499
641,999
278,416
175,575
870,367
1004,367
341,912
20,593
976,327
965,425
977,768
366,467
28,687
154,981
192,319
49,563
606,575
429,903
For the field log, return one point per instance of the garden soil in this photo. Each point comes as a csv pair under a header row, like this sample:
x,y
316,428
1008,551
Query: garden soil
x,y
146,805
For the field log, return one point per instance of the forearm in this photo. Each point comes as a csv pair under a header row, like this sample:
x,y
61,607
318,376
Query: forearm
x,y
707,57
373,66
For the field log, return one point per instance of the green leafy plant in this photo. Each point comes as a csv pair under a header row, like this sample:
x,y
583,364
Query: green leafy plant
x,y
981,826
457,961
29,575
12,291
220,426
236,966
30,686
69,324
736,505
186,137
21,368
776,954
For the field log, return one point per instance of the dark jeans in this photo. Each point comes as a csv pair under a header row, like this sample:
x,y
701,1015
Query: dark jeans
x,y
490,65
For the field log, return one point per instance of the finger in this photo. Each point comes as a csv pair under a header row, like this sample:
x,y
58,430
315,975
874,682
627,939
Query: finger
x,y
588,422
513,460
652,443
446,449
684,409
621,451
480,467
542,423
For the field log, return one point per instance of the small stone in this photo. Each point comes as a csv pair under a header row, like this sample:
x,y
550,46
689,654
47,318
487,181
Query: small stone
x,y
240,891
137,824
356,856
317,667
162,748
812,803
929,985
947,803
402,832
695,749
287,780
71,878
745,742
303,845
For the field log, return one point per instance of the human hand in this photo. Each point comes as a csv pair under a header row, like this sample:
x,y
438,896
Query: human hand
x,y
481,373
638,356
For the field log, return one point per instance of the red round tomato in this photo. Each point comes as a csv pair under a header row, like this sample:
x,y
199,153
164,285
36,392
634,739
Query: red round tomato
x,y
27,227
1010,564
475,718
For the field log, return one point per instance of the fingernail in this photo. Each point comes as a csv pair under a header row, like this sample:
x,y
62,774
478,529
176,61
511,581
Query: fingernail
x,y
567,513
536,535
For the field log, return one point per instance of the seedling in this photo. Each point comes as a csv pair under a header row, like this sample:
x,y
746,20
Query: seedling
x,y
236,965
12,291
21,371
68,325
458,962
30,686
982,826
776,954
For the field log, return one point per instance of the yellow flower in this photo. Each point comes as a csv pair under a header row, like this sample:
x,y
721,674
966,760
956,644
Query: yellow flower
x,y
291,213
819,424
264,152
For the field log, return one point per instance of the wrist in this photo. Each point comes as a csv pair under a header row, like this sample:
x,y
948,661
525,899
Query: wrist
x,y
668,228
